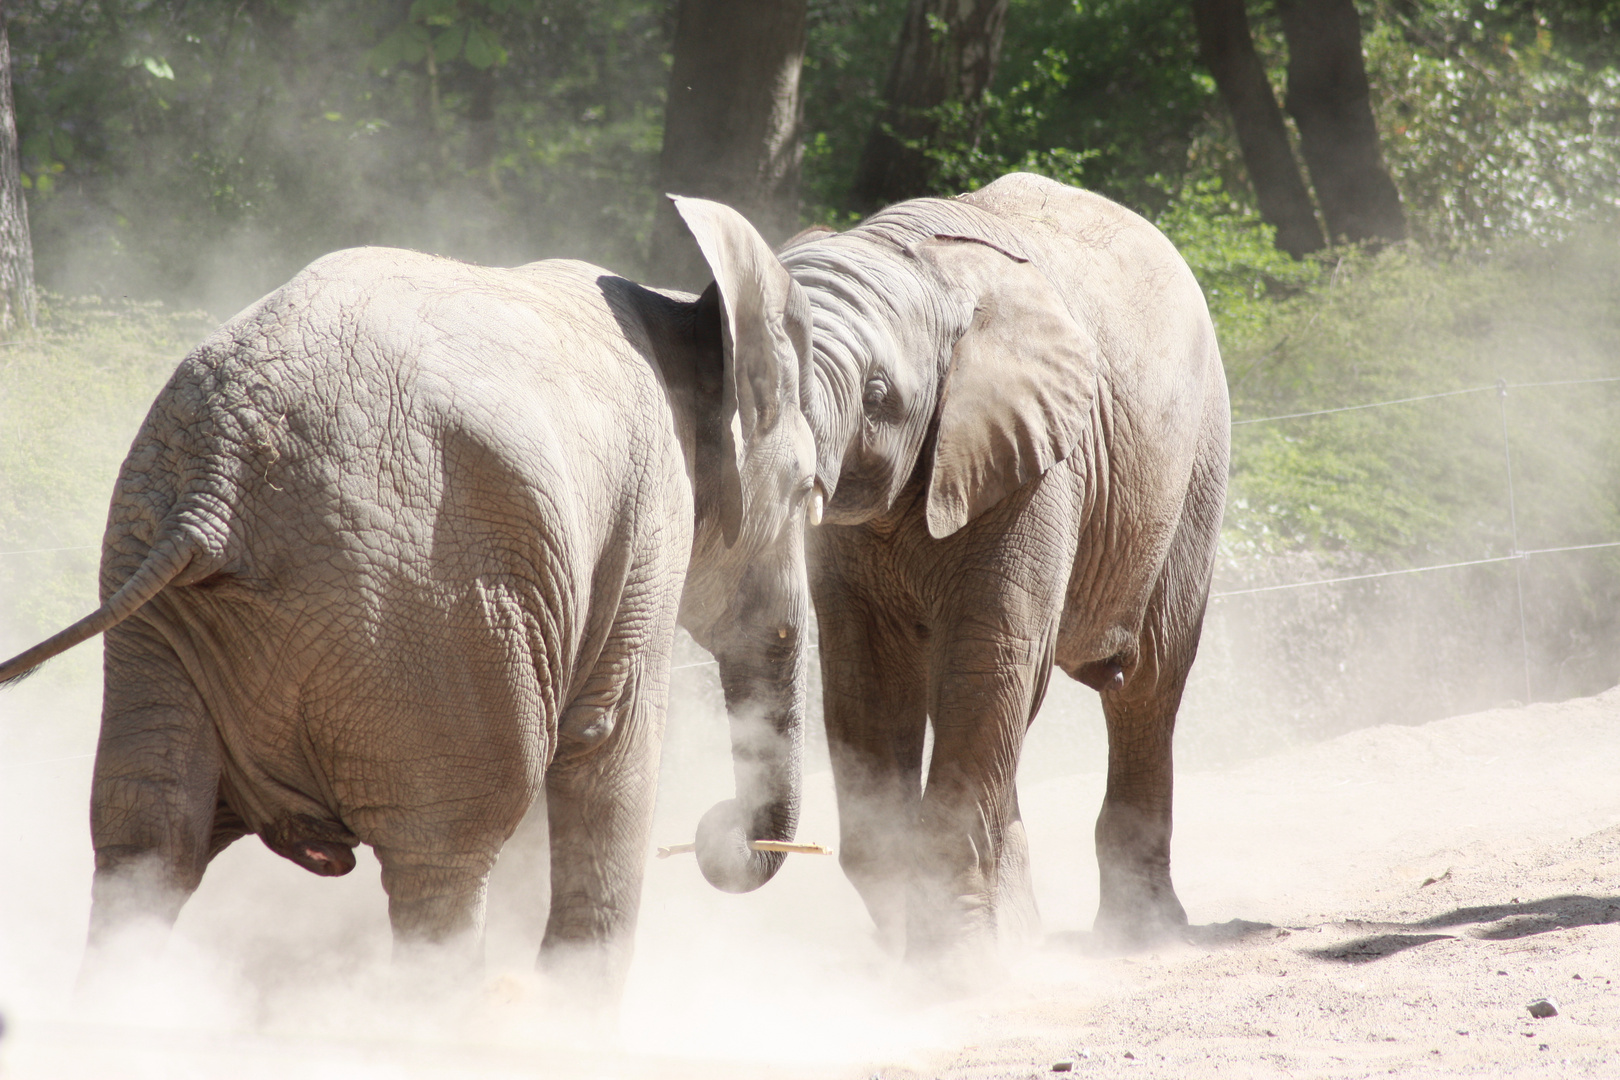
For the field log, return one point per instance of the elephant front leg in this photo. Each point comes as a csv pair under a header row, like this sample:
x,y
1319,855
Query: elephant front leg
x,y
970,838
875,707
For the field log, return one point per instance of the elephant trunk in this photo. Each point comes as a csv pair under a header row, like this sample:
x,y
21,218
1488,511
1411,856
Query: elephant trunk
x,y
764,690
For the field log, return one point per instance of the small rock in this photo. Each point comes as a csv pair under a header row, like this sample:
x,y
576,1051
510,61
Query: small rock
x,y
1062,1066
1577,977
1501,973
1543,1046
1127,1055
1541,1008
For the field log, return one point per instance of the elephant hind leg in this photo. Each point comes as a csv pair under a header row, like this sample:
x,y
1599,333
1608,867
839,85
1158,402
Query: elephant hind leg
x,y
599,807
154,804
1138,902
436,898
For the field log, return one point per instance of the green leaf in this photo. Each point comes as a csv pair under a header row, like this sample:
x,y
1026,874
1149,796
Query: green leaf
x,y
408,44
433,12
447,46
483,48
158,67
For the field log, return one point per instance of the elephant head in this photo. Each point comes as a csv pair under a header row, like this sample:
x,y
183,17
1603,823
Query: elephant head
x,y
747,598
942,354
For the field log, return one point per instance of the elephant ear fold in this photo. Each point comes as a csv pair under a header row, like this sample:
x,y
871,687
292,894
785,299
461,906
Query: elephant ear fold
x,y
1021,384
765,317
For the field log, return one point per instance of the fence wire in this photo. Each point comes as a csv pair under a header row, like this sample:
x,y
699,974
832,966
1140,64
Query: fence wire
x,y
1516,555
1500,387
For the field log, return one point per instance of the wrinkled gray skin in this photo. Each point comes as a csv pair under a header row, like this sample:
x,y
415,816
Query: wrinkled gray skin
x,y
1022,422
401,548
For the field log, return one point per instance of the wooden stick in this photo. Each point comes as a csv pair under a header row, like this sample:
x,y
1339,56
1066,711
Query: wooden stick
x,y
790,848
757,845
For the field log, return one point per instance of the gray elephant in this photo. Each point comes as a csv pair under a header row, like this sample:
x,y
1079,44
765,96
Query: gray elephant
x,y
402,547
1022,426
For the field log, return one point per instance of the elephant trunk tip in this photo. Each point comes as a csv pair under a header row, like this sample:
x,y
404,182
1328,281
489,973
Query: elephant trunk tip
x,y
724,853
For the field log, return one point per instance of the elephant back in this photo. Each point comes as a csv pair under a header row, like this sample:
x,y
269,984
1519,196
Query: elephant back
x,y
1075,235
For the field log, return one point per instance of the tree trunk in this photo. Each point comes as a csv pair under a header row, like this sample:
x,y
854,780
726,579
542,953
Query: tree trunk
x,y
1228,49
16,249
731,124
1329,99
947,52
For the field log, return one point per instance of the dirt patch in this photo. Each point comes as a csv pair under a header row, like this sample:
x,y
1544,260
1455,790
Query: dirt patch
x,y
1391,901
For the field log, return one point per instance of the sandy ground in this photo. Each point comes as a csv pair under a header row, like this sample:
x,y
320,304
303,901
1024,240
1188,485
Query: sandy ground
x,y
1388,902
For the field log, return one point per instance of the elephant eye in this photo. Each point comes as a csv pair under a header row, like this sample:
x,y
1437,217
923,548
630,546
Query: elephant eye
x,y
876,395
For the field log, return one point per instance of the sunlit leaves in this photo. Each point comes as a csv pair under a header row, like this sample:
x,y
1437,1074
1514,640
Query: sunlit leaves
x,y
449,30
1493,133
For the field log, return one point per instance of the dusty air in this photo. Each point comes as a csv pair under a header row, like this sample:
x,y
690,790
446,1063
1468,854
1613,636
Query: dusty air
x,y
832,539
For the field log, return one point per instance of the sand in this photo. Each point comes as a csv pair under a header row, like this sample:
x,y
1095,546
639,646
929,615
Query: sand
x,y
1387,902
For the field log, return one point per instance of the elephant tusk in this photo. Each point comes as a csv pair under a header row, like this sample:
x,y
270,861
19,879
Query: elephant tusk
x,y
758,845
818,505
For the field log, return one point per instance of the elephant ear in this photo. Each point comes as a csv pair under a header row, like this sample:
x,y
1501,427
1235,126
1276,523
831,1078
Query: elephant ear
x,y
765,327
1021,384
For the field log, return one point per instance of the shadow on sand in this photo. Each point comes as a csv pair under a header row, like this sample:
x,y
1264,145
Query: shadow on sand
x,y
1493,922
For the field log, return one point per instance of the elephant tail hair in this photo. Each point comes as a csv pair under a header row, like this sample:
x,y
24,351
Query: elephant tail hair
x,y
167,559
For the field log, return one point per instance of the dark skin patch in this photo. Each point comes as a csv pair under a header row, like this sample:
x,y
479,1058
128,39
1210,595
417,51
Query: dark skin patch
x,y
1102,675
319,857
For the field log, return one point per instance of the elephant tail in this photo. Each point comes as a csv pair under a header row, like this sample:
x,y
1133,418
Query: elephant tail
x,y
165,562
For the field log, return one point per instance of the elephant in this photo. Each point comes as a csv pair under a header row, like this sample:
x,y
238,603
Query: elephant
x,y
403,546
1022,429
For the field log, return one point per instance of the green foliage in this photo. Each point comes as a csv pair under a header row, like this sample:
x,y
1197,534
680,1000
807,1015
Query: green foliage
x,y
71,398
1493,130
1232,253
206,151
1108,95
1426,481
849,47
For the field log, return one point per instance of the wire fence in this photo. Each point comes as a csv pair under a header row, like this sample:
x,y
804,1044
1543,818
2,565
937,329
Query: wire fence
x,y
1516,555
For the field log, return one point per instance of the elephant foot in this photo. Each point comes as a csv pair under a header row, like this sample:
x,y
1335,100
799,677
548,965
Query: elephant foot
x,y
961,969
1143,914
583,978
1018,919
951,939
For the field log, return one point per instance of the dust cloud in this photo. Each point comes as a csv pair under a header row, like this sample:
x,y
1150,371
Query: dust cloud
x,y
272,971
